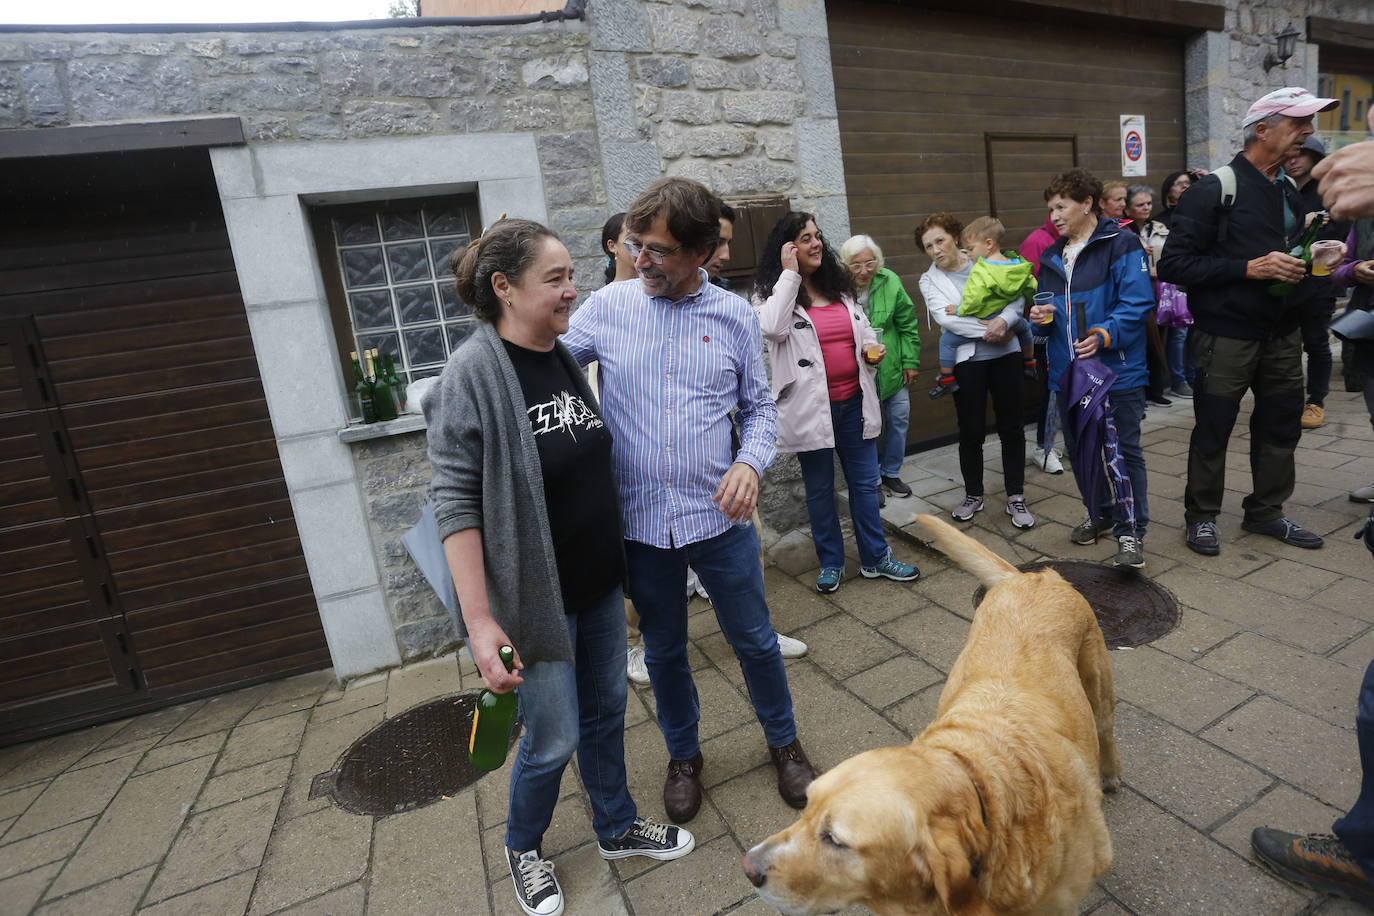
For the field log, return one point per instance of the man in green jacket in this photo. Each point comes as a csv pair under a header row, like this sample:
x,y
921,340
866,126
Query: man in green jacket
x,y
893,316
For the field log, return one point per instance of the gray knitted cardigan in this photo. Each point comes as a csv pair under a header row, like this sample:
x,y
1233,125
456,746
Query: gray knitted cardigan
x,y
486,474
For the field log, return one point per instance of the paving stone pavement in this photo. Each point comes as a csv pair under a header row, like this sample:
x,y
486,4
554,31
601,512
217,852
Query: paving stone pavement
x,y
1241,716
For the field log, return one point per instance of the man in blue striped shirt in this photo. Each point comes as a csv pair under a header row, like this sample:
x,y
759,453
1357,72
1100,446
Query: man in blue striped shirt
x,y
676,355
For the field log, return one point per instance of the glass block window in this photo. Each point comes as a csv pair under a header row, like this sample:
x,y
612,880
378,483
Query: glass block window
x,y
393,266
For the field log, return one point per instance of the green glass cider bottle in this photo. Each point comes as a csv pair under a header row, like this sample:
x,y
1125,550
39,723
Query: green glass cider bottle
x,y
398,387
492,721
382,398
1302,251
363,392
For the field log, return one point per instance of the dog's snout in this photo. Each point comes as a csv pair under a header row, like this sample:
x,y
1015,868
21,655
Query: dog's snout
x,y
752,871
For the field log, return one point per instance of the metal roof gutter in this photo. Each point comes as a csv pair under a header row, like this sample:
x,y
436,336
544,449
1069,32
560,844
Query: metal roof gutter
x,y
575,9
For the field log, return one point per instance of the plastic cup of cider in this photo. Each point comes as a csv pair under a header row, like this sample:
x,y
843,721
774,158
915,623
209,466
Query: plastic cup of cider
x,y
1045,301
1326,255
874,351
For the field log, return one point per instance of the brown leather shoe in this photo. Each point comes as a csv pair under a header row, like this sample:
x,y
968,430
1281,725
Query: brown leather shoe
x,y
794,773
682,789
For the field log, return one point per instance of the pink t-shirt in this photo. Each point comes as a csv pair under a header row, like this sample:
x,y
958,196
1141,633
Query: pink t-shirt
x,y
836,334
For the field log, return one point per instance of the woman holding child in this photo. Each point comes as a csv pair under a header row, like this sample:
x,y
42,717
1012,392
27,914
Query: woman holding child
x,y
824,356
986,362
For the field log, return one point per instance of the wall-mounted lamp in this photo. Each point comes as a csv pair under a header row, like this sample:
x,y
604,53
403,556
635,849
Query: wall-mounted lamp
x,y
1286,42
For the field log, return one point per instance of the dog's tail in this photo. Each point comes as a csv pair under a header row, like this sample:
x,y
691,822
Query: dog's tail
x,y
987,566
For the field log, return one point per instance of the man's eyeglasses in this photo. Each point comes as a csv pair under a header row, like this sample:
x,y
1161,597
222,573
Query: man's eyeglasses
x,y
655,256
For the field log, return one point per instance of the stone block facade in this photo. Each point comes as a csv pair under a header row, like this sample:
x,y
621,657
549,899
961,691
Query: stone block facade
x,y
394,472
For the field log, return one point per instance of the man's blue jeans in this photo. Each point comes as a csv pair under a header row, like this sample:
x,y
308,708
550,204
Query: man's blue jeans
x,y
728,566
574,706
859,461
1128,409
896,420
1356,829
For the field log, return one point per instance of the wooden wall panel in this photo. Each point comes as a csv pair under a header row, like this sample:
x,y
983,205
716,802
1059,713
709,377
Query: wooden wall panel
x,y
918,88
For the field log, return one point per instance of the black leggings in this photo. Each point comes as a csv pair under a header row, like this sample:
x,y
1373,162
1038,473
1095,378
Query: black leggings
x,y
1000,378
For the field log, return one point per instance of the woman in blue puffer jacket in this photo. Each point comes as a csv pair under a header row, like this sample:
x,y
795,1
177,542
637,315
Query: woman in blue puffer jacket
x,y
1100,278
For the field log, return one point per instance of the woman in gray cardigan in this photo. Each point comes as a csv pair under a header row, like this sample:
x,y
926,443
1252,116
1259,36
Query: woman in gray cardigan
x,y
526,504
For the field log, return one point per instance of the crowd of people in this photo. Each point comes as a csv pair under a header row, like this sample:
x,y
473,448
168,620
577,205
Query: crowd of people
x,y
578,511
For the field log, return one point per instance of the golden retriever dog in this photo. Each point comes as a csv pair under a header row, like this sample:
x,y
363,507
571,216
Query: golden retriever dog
x,y
997,806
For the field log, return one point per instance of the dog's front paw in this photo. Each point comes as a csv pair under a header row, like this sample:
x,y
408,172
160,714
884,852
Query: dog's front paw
x,y
1111,783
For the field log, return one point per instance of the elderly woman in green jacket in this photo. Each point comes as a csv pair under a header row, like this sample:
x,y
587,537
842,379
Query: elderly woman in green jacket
x,y
893,316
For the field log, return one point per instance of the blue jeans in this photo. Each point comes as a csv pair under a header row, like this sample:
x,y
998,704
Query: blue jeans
x,y
1179,369
574,706
1128,409
728,566
1356,829
896,420
859,460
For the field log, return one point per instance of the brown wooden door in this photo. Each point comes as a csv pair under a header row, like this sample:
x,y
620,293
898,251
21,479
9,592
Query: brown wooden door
x,y
61,632
134,302
970,113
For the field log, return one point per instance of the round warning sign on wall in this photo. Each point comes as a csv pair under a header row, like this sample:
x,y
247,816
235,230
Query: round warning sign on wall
x,y
1132,146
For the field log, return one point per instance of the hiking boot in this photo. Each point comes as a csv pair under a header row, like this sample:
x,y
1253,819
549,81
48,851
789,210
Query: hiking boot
x,y
536,889
1363,494
794,773
645,838
1319,861
1020,515
1087,531
897,486
1182,390
789,647
1130,552
682,789
889,567
1202,538
1313,416
964,511
1282,529
635,668
828,580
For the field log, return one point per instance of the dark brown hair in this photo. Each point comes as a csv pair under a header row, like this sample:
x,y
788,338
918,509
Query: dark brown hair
x,y
939,220
508,247
1077,184
691,212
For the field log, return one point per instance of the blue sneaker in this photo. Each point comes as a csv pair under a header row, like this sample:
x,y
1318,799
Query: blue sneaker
x,y
828,580
891,568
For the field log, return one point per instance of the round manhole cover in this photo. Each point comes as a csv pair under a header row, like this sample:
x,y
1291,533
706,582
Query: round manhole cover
x,y
1131,609
411,760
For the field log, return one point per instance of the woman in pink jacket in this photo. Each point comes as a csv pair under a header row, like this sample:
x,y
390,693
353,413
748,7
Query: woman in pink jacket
x,y
823,353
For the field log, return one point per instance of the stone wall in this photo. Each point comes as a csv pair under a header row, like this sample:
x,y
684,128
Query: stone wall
x,y
1224,70
394,472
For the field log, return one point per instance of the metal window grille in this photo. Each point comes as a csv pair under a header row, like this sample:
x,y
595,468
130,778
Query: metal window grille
x,y
394,265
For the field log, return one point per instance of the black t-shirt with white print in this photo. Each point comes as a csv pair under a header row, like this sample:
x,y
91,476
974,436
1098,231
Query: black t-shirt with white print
x,y
579,482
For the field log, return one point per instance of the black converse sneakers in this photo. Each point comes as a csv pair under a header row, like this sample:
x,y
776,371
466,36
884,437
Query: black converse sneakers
x,y
535,886
645,838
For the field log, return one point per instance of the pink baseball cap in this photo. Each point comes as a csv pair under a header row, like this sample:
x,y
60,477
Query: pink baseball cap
x,y
1293,101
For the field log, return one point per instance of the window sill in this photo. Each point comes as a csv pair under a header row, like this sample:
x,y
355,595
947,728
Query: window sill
x,y
406,423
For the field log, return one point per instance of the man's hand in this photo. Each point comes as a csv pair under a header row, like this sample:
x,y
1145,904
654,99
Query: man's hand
x,y
997,331
485,644
1347,181
1276,265
789,256
1364,272
909,376
738,492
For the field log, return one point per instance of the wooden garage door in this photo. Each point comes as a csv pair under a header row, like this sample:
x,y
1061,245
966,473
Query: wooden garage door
x,y
130,286
942,111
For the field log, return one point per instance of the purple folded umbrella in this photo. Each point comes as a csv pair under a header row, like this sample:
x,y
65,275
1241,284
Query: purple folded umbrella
x,y
1086,383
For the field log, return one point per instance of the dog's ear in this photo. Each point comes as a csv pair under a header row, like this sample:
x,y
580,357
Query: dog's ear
x,y
952,873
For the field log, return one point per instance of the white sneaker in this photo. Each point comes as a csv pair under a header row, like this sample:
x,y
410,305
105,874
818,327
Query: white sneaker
x,y
789,647
1047,460
635,668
